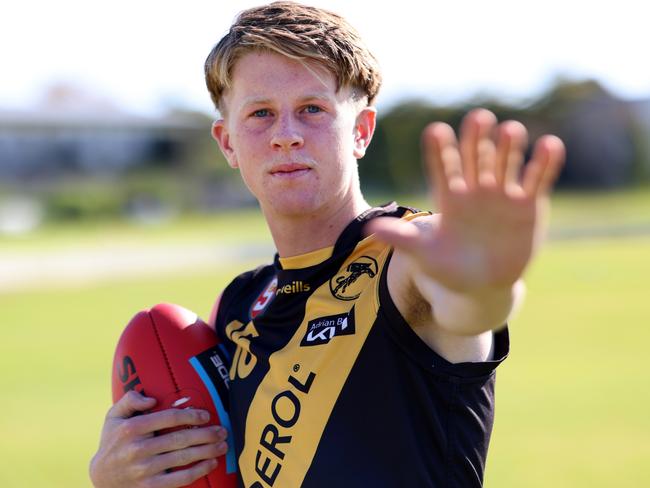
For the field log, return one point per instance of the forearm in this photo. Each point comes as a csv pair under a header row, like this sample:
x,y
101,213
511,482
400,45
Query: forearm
x,y
471,312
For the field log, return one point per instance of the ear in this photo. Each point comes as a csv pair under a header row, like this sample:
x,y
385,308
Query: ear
x,y
364,128
222,136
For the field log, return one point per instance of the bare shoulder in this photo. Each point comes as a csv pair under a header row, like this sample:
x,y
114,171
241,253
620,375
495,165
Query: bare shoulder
x,y
418,311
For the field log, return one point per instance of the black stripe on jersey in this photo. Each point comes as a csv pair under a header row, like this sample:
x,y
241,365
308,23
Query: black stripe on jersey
x,y
431,429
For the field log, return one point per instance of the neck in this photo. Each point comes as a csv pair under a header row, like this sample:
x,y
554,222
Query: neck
x,y
299,234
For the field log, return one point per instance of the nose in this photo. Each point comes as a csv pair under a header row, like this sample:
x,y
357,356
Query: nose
x,y
286,134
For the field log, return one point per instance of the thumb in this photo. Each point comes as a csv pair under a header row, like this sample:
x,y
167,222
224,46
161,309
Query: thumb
x,y
131,403
395,232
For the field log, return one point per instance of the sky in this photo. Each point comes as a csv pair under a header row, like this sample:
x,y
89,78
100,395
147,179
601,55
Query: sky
x,y
147,56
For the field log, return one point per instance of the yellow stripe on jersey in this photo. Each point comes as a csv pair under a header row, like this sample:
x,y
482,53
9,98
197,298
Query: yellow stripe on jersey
x,y
308,259
293,402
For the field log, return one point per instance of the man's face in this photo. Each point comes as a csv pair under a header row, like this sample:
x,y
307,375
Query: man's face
x,y
294,138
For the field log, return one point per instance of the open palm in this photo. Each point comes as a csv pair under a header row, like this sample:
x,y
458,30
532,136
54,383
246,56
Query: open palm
x,y
491,217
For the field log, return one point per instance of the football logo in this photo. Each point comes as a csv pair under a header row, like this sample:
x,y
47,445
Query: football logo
x,y
350,282
265,298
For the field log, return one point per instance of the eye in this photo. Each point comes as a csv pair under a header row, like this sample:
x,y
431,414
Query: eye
x,y
312,109
263,112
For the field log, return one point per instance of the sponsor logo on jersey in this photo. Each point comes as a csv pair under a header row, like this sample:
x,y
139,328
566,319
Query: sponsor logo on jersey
x,y
277,435
350,281
265,298
293,287
323,329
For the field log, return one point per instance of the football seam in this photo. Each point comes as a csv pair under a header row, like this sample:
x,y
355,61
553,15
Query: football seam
x,y
164,351
169,368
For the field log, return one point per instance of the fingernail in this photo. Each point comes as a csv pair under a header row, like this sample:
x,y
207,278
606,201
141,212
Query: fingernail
x,y
213,463
223,447
204,416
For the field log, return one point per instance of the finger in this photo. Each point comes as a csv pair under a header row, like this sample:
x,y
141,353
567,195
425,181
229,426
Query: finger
x,y
485,162
476,145
167,419
395,232
441,157
557,152
545,166
184,477
189,455
511,144
132,402
180,439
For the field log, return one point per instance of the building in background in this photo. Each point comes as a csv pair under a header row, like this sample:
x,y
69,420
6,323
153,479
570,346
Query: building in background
x,y
72,133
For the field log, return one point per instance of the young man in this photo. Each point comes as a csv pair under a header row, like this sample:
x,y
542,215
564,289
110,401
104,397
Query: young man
x,y
365,354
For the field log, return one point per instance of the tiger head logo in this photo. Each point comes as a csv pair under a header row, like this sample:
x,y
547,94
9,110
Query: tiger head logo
x,y
350,281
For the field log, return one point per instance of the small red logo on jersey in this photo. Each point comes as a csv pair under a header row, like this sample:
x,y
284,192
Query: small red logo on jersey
x,y
265,298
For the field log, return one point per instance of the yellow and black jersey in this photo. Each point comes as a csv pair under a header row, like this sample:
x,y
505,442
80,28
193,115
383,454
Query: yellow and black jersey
x,y
331,387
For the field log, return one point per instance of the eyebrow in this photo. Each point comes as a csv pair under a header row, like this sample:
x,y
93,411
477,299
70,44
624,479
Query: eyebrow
x,y
255,101
316,96
264,101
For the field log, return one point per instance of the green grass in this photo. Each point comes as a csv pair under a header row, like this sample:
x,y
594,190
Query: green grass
x,y
224,228
571,211
56,357
615,208
572,399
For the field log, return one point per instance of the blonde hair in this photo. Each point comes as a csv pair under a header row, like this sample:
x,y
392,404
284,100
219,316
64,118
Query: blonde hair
x,y
299,32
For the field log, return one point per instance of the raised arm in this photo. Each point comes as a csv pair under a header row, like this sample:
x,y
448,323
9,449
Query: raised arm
x,y
466,263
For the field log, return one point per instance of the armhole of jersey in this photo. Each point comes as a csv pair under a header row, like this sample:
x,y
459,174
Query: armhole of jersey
x,y
416,349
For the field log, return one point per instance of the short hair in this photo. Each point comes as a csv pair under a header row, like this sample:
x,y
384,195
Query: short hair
x,y
299,32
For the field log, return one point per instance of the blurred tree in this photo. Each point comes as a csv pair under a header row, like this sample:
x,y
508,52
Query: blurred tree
x,y
597,129
374,168
641,136
393,161
604,142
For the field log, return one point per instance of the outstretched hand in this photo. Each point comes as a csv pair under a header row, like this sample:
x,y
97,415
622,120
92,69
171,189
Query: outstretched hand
x,y
491,217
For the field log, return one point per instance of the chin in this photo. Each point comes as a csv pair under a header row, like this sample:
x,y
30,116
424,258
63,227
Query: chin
x,y
294,205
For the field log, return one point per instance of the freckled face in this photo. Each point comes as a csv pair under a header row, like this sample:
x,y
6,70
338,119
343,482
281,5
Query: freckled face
x,y
294,138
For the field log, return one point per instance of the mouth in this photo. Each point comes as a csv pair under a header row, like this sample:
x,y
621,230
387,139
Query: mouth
x,y
290,170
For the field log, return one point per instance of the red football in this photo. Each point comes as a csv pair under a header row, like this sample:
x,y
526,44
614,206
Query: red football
x,y
168,353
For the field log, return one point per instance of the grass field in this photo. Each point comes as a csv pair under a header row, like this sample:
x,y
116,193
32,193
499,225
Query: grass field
x,y
572,402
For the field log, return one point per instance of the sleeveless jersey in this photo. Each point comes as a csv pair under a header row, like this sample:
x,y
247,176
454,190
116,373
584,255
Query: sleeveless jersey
x,y
329,386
